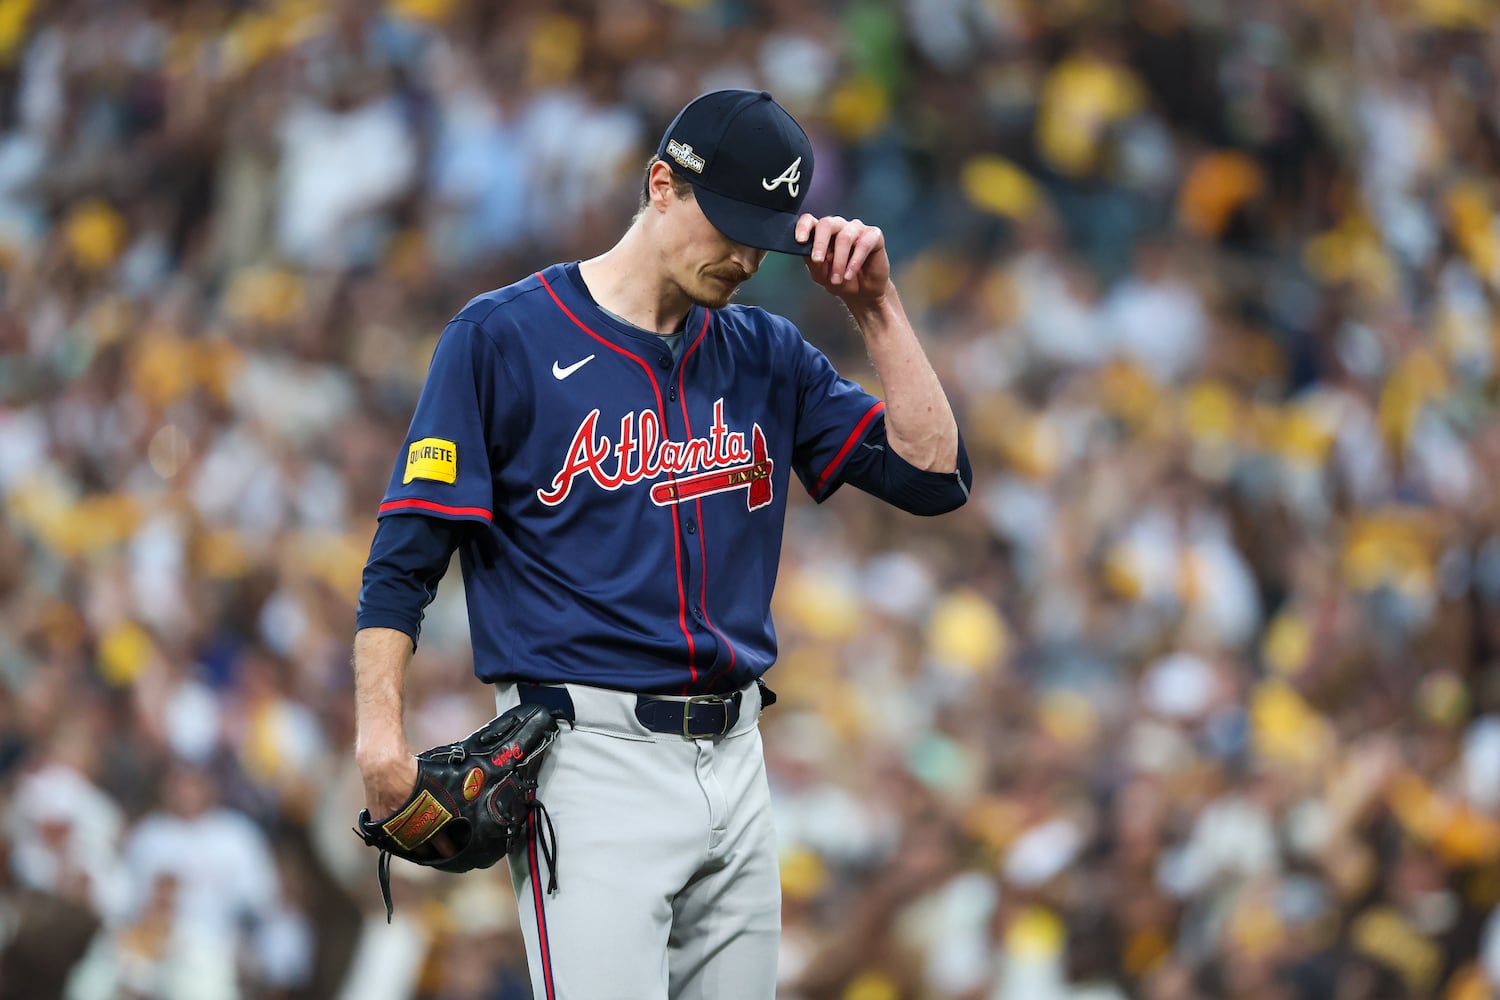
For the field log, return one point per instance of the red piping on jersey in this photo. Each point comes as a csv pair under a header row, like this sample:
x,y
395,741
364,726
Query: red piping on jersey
x,y
698,504
661,409
854,436
543,949
441,508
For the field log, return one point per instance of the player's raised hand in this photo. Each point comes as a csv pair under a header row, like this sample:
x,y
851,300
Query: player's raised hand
x,y
848,257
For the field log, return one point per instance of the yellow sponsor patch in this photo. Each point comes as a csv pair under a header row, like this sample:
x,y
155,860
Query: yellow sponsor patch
x,y
432,458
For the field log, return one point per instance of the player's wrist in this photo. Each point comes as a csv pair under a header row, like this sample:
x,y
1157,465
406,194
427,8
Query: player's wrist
x,y
377,755
875,314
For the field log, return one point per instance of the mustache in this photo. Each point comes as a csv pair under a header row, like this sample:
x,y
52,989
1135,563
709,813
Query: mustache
x,y
734,274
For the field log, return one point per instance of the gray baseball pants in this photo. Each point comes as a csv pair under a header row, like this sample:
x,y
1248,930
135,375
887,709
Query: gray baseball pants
x,y
668,886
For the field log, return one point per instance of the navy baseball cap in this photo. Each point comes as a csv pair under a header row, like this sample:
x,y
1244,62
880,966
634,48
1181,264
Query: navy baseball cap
x,y
750,165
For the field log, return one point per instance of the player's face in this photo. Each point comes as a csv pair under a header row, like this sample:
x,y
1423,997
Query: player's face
x,y
704,263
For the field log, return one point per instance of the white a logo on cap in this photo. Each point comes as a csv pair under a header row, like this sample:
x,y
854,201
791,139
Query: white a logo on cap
x,y
791,177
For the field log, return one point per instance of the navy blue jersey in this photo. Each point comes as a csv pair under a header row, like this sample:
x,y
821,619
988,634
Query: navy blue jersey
x,y
631,504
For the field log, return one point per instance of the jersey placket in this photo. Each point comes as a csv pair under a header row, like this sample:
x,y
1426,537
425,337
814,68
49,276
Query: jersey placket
x,y
653,359
691,528
704,642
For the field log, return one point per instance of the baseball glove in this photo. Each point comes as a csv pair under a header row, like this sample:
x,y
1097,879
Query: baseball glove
x,y
480,792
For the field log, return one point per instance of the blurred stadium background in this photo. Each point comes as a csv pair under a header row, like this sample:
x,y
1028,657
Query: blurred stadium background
x,y
1197,699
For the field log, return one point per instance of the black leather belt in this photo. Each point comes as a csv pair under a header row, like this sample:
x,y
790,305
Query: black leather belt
x,y
700,717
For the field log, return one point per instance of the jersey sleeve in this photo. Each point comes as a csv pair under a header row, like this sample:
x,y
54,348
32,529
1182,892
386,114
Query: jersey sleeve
x,y
880,471
443,466
833,416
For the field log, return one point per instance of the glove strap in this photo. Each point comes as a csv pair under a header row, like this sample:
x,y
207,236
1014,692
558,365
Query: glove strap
x,y
383,871
549,850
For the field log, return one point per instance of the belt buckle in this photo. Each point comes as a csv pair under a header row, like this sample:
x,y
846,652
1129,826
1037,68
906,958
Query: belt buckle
x,y
687,715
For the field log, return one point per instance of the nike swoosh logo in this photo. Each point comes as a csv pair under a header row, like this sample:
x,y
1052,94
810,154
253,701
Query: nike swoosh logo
x,y
562,373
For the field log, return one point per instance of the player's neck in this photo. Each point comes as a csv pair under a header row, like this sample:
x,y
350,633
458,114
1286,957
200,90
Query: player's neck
x,y
624,280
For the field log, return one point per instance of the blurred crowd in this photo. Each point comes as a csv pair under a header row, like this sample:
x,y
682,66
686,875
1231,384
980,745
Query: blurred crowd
x,y
1198,698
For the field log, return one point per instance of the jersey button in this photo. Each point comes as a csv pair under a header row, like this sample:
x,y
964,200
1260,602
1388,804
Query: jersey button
x,y
697,612
665,362
672,394
692,526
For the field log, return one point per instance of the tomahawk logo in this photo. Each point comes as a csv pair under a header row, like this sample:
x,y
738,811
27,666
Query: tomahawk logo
x,y
699,467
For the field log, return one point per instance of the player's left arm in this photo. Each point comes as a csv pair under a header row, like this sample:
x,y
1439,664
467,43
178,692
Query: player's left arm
x,y
849,260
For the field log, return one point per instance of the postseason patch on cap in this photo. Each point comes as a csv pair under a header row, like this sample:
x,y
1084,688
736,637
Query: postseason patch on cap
x,y
683,154
432,458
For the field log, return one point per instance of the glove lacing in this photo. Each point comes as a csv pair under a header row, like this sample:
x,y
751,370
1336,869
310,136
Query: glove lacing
x,y
546,843
548,850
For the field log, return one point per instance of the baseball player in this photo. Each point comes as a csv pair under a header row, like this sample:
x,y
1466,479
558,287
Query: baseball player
x,y
608,445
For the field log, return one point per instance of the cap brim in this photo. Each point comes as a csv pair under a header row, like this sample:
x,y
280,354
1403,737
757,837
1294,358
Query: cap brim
x,y
752,225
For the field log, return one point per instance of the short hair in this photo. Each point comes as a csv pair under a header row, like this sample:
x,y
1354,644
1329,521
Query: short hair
x,y
680,185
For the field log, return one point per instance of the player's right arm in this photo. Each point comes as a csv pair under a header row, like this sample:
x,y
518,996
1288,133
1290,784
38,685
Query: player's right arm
x,y
439,490
381,752
408,557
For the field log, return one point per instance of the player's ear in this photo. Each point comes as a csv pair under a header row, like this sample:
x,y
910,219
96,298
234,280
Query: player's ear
x,y
661,186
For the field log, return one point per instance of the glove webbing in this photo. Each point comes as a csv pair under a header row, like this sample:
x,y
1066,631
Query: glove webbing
x,y
546,843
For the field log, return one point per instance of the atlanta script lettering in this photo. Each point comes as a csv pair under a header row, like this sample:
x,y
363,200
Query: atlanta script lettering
x,y
641,452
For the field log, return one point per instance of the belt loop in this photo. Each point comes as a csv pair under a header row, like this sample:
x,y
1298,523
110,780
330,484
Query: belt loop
x,y
555,698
